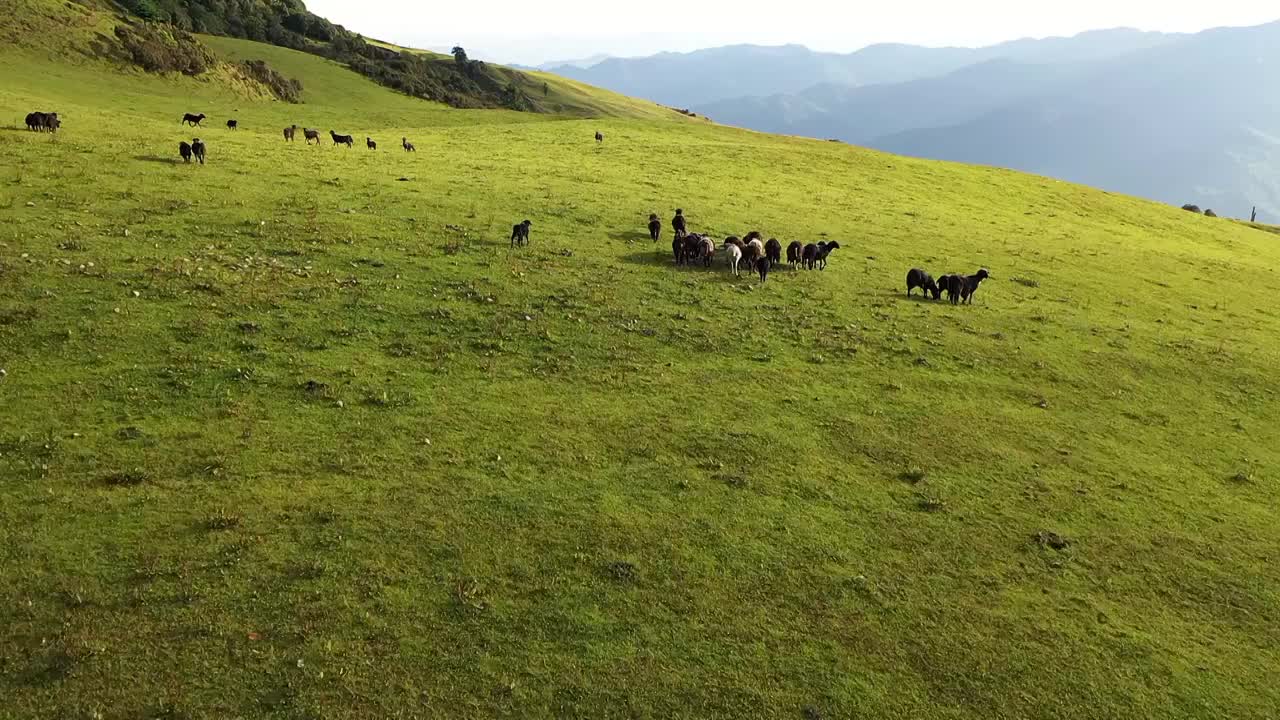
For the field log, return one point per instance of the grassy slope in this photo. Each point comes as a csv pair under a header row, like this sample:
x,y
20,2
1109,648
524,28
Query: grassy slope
x,y
573,480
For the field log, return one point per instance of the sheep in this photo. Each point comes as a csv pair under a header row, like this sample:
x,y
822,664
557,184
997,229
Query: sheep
x,y
734,240
691,249
917,278
678,224
193,120
368,141
793,253
753,235
232,124
341,139
289,132
754,251
824,249
43,121
677,247
732,256
197,149
51,122
408,146
773,251
708,251
184,149
520,233
35,121
809,255
970,285
308,134
954,285
599,137
762,267
655,226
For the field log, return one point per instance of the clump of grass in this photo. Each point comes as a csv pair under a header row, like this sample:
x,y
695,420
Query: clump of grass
x,y
622,571
913,474
469,594
389,399
1027,282
128,478
222,520
928,503
1053,540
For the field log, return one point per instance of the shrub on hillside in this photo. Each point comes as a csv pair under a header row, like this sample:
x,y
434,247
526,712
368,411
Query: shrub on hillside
x,y
1210,213
157,47
287,89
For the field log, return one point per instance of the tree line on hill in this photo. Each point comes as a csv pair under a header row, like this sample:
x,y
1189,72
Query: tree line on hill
x,y
288,23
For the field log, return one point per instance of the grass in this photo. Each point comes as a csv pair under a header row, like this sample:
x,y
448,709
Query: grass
x,y
288,436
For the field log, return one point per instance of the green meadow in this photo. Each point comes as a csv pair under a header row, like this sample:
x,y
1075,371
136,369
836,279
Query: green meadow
x,y
297,434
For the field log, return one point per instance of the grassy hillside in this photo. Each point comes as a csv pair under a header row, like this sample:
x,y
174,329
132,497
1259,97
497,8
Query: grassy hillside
x,y
296,434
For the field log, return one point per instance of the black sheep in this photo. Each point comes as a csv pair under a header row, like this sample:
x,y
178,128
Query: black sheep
x,y
773,251
753,235
232,124
954,285
677,248
824,249
368,141
917,278
762,266
193,120
197,149
655,226
970,285
809,255
342,139
599,137
794,251
520,233
184,149
678,224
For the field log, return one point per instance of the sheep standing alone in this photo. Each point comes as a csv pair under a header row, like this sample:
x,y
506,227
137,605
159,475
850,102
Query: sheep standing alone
x,y
342,139
655,226
309,134
232,124
520,233
368,141
193,120
289,131
408,146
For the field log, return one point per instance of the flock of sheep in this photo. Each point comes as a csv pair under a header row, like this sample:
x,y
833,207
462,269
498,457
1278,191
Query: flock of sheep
x,y
687,248
759,255
309,134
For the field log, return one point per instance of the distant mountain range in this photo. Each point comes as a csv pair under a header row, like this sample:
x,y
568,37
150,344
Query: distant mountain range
x,y
1177,118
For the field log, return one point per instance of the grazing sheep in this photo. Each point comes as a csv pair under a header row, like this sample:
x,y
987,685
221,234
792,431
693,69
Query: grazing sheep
x,y
193,120
824,249
917,278
970,285
954,285
197,149
408,146
520,233
232,124
599,137
678,224
773,251
368,141
43,121
753,235
732,256
655,226
184,149
691,248
289,131
308,134
794,251
762,267
341,139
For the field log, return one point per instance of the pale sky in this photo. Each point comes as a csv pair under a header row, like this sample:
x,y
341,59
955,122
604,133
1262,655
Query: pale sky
x,y
506,31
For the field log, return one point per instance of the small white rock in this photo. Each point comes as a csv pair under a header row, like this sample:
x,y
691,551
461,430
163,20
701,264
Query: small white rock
x,y
137,294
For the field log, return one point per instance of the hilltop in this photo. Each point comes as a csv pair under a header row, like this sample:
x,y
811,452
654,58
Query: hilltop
x,y
297,434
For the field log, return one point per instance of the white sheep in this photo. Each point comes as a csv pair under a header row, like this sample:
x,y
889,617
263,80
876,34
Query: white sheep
x,y
732,256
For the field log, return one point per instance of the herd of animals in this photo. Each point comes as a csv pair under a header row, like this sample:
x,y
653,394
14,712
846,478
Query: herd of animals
x,y
687,248
760,256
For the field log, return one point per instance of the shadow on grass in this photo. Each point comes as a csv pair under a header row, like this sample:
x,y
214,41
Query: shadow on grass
x,y
158,159
632,236
17,128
